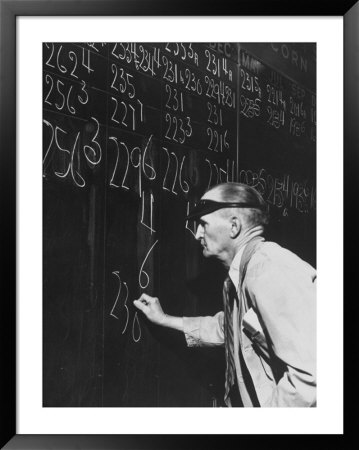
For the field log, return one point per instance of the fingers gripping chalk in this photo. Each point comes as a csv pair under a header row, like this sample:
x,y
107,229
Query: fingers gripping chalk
x,y
151,307
143,302
146,299
141,306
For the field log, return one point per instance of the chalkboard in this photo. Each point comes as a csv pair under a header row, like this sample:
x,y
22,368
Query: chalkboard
x,y
277,140
133,134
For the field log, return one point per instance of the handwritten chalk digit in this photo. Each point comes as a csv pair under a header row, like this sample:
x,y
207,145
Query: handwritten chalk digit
x,y
80,182
183,183
88,150
60,66
143,273
192,231
118,294
150,227
145,165
135,323
47,159
64,150
116,273
126,307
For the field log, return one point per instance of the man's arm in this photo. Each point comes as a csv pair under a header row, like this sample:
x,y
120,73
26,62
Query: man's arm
x,y
152,309
198,331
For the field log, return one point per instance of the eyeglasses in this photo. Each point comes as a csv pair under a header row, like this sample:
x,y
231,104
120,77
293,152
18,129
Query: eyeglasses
x,y
204,207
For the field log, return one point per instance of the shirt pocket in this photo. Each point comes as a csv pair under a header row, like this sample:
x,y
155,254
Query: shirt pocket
x,y
258,368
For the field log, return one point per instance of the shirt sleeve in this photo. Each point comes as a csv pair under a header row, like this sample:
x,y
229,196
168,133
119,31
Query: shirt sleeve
x,y
286,302
204,331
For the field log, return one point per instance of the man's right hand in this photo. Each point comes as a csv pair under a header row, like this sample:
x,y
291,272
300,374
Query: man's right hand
x,y
152,309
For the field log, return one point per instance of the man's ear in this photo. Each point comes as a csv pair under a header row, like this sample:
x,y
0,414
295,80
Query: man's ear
x,y
236,226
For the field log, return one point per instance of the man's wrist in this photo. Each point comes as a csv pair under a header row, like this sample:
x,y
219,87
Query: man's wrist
x,y
173,322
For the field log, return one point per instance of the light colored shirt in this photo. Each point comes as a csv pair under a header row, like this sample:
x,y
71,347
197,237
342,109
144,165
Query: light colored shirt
x,y
280,290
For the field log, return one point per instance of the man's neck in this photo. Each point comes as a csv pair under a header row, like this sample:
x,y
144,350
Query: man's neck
x,y
244,237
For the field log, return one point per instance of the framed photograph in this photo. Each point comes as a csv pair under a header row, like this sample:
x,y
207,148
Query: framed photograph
x,y
118,122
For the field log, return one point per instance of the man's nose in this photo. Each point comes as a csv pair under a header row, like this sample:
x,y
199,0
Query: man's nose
x,y
199,232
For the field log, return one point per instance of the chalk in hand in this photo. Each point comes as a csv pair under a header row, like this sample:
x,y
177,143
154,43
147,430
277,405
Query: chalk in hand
x,y
140,303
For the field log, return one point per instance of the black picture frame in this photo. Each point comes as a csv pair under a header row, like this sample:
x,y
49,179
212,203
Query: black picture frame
x,y
9,10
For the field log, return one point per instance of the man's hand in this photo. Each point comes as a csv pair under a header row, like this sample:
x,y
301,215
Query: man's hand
x,y
152,309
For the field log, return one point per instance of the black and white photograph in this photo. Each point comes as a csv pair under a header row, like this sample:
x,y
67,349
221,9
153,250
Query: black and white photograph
x,y
174,201
179,224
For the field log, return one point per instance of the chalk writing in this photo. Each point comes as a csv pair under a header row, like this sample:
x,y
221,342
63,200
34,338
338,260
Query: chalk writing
x,y
126,114
142,273
150,225
122,81
173,102
183,51
116,273
250,108
178,129
136,324
64,95
68,62
133,135
281,191
250,83
192,229
286,106
136,327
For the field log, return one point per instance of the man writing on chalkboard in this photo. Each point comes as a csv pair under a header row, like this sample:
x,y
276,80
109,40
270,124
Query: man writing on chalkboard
x,y
268,322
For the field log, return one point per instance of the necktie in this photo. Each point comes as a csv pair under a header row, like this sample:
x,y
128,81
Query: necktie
x,y
229,294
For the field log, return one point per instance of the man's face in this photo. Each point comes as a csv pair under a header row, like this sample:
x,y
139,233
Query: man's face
x,y
213,233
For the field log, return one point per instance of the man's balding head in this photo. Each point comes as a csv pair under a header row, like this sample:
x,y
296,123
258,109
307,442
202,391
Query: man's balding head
x,y
240,193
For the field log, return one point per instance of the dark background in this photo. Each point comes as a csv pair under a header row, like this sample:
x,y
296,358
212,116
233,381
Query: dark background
x,y
133,136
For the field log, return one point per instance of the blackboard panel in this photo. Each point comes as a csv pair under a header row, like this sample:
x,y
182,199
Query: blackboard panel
x,y
294,60
277,148
72,296
133,134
